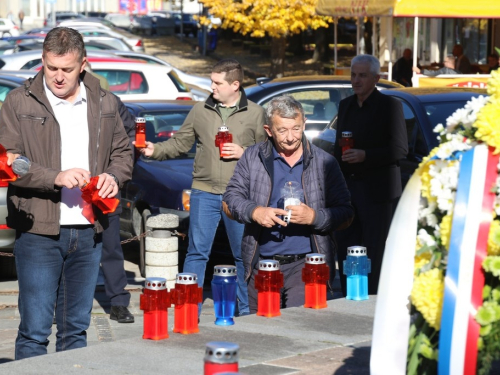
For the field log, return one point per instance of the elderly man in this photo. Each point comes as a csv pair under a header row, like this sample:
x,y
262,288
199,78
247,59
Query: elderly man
x,y
371,167
253,197
462,63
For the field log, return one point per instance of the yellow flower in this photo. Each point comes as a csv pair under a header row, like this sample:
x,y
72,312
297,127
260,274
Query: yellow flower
x,y
445,230
421,260
488,124
494,84
494,238
427,296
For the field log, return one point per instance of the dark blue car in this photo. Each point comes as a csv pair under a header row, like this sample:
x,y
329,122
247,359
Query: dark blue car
x,y
157,186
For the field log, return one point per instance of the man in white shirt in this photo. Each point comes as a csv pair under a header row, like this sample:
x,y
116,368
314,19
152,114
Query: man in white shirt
x,y
71,130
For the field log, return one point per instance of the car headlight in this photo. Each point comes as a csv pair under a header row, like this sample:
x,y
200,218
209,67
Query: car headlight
x,y
186,196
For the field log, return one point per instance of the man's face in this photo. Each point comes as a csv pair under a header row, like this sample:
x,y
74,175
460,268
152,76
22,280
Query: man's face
x,y
407,54
224,92
287,133
363,81
62,74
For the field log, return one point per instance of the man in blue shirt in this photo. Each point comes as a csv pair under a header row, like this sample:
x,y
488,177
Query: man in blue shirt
x,y
254,196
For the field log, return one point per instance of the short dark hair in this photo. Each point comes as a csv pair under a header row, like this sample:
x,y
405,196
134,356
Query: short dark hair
x,y
284,106
232,68
63,40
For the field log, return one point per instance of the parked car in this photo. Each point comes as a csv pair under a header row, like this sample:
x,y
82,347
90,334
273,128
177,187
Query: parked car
x,y
132,40
157,186
8,28
27,60
94,14
319,96
60,17
423,109
9,82
140,81
133,23
88,22
189,24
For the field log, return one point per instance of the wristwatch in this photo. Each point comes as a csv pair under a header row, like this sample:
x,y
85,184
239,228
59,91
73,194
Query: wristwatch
x,y
114,178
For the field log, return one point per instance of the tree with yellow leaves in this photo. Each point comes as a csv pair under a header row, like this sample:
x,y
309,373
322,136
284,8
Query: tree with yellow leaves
x,y
277,19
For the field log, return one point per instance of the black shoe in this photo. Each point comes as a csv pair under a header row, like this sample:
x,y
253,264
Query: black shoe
x,y
121,314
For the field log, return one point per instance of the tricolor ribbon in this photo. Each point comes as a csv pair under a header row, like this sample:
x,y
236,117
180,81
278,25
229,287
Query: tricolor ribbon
x,y
464,279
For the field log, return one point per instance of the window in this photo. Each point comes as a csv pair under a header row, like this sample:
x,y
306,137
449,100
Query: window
x,y
125,82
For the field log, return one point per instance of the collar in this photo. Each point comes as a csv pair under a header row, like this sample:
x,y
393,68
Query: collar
x,y
54,100
368,101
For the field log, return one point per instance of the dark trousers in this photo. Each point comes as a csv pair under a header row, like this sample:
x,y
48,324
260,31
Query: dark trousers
x,y
112,264
293,292
369,228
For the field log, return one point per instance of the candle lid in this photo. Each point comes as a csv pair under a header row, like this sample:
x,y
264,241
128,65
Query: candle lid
x,y
356,251
225,270
140,120
186,278
269,265
221,352
21,165
346,134
223,129
315,258
155,283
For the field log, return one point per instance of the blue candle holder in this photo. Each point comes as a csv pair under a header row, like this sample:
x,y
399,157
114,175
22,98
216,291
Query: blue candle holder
x,y
224,286
357,267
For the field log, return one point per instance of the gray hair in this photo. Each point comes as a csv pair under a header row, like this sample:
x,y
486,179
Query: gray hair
x,y
370,60
284,106
63,40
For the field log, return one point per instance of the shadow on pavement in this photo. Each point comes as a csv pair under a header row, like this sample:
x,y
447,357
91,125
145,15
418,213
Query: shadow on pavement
x,y
357,364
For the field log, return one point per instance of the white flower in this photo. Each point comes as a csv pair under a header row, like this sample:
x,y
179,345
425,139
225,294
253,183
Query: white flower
x,y
425,238
466,116
439,128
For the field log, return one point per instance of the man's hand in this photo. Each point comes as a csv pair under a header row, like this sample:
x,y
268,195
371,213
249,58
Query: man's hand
x,y
148,150
301,214
107,186
354,156
233,150
268,216
72,178
11,157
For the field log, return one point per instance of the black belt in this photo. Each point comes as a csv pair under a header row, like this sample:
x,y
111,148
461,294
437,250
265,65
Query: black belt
x,y
285,259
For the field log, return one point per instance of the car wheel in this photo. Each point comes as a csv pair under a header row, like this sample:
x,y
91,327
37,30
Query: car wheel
x,y
142,243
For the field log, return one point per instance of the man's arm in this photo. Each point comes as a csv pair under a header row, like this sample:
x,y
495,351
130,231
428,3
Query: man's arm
x,y
38,177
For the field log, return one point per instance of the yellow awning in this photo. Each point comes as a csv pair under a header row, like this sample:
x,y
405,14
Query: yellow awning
x,y
410,8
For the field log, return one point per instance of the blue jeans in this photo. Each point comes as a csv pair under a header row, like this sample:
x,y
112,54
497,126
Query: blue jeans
x,y
204,217
56,270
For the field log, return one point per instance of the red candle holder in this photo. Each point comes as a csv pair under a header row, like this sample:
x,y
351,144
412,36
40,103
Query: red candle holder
x,y
6,172
223,136
140,132
155,301
315,275
185,296
346,142
90,194
268,282
221,357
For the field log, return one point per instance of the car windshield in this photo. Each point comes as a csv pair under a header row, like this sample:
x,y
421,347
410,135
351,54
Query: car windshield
x,y
440,111
162,125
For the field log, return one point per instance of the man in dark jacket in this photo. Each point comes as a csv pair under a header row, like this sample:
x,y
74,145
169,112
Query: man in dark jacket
x,y
371,167
227,106
254,197
70,130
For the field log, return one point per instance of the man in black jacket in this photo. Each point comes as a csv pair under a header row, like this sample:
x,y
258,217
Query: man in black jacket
x,y
371,167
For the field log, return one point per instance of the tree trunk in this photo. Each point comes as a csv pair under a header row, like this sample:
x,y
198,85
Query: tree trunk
x,y
319,41
278,46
